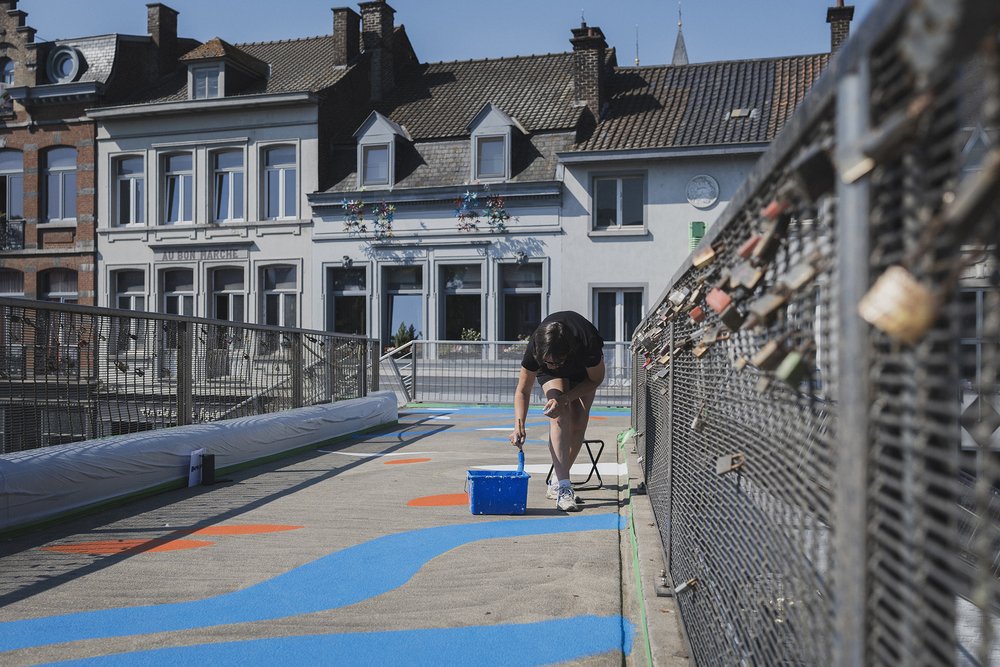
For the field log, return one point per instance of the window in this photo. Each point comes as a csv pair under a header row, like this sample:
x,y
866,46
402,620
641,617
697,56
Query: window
x,y
347,300
619,202
462,306
8,73
522,299
205,83
617,313
280,192
12,184
178,178
11,331
491,159
279,297
404,301
376,165
130,294
227,186
60,184
58,333
130,189
228,303
177,293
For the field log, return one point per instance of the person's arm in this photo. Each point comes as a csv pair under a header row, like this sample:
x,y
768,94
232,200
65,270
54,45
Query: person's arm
x,y
522,398
595,376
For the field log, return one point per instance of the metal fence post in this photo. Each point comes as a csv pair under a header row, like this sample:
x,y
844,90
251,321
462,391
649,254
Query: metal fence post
x,y
185,352
851,496
298,377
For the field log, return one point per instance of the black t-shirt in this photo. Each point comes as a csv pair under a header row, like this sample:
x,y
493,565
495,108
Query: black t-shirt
x,y
588,348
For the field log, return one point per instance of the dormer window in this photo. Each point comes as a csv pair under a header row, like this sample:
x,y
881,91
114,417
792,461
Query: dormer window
x,y
375,164
206,82
491,154
492,138
377,139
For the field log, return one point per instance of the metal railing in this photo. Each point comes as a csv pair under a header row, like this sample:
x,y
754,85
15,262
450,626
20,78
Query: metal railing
x,y
11,234
484,372
826,485
74,373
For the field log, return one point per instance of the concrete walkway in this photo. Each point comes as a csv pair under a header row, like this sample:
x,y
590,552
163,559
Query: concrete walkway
x,y
363,552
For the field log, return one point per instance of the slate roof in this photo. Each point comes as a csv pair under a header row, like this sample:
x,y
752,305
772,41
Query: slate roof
x,y
216,48
438,100
692,105
297,65
97,56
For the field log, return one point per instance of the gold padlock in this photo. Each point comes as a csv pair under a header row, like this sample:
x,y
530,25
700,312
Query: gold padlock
x,y
899,305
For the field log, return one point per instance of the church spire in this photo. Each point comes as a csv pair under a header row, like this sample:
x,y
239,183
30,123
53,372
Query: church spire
x,y
680,50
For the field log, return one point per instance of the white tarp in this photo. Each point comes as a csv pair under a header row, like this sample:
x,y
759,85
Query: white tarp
x,y
44,483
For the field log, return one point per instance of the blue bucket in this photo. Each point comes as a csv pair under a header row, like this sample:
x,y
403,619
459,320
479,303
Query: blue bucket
x,y
499,491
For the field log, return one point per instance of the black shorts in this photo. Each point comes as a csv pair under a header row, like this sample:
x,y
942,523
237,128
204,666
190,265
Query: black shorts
x,y
545,377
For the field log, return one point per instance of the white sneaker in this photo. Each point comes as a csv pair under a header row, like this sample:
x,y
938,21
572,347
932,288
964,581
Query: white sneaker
x,y
552,492
567,500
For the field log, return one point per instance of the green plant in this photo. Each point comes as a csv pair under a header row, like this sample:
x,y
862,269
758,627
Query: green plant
x,y
470,335
404,334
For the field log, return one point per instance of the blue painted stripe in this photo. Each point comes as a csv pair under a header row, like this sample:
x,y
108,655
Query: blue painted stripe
x,y
520,645
341,578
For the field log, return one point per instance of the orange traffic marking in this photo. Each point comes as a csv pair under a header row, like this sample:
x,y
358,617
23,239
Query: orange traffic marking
x,y
598,417
441,500
109,547
401,461
248,529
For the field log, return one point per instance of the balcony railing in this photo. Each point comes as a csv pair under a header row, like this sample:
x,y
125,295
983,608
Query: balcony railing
x,y
11,235
70,373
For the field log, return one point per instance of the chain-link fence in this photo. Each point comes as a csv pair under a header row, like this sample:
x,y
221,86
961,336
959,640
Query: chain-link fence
x,y
71,373
485,372
816,392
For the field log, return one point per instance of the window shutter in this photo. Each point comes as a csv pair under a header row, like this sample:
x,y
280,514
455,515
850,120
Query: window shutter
x,y
696,230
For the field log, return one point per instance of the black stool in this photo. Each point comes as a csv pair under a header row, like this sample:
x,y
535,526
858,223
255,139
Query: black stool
x,y
593,463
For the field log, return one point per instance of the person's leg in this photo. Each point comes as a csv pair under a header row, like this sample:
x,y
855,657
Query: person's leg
x,y
566,432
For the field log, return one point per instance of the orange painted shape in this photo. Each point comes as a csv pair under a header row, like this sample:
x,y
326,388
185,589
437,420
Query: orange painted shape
x,y
402,461
248,529
441,500
598,417
110,547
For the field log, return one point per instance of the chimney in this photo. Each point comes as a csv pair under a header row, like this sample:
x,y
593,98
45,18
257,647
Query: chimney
x,y
346,35
161,24
376,40
839,18
589,47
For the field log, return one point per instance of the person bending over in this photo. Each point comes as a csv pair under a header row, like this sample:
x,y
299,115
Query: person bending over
x,y
566,355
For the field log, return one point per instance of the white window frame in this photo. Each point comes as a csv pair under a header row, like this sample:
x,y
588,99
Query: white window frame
x,y
198,74
619,291
330,297
282,170
59,174
185,189
618,227
387,294
477,139
8,175
281,292
183,298
363,149
134,329
503,291
136,188
444,291
214,186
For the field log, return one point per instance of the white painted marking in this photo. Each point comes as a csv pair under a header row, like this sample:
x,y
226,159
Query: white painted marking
x,y
378,454
620,469
441,418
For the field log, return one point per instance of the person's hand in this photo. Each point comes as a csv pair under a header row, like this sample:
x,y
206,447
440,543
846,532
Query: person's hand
x,y
518,436
554,407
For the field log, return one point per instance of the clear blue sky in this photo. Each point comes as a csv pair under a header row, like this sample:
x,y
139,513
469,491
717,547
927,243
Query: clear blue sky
x,y
464,29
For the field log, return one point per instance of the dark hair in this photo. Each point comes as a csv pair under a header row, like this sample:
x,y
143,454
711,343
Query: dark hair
x,y
553,340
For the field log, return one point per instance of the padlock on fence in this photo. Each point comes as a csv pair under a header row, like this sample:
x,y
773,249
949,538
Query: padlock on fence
x,y
899,305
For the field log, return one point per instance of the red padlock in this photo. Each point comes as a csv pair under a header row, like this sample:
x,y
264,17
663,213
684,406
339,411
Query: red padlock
x,y
718,300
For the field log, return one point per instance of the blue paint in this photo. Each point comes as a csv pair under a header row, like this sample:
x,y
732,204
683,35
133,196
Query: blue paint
x,y
341,578
527,644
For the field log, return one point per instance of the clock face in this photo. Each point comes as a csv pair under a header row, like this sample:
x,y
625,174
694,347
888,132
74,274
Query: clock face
x,y
702,191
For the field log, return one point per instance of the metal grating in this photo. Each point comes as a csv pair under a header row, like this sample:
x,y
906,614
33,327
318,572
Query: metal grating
x,y
752,473
74,373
